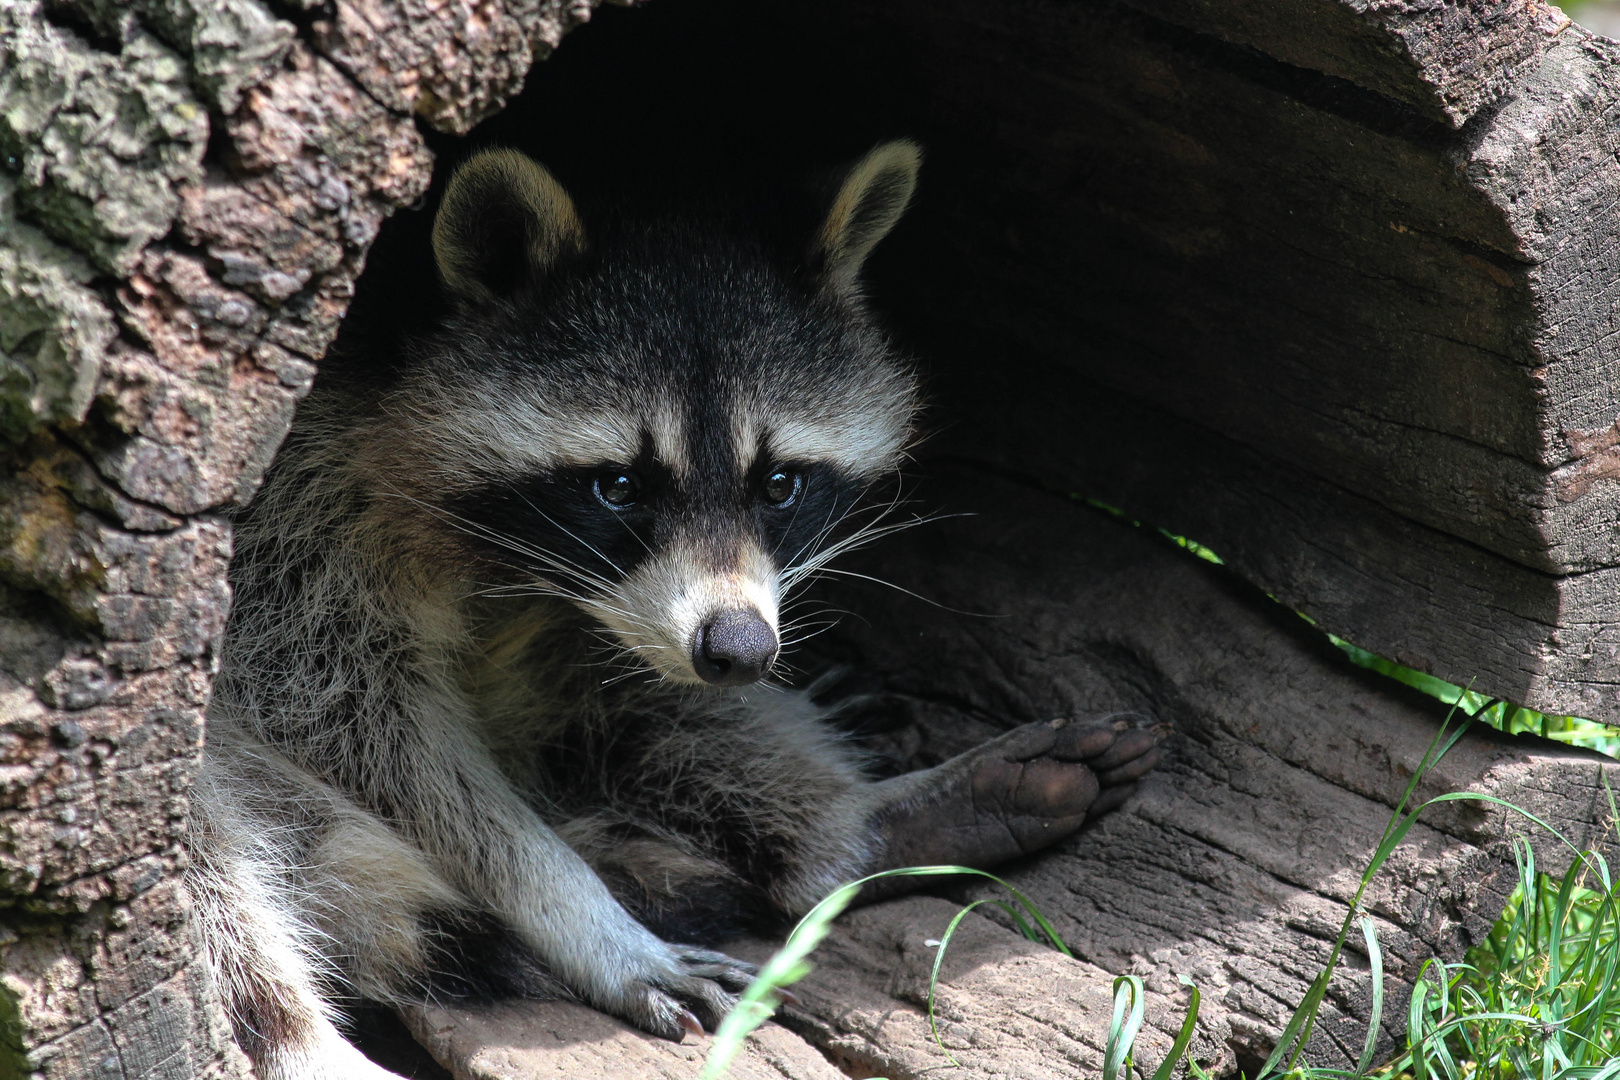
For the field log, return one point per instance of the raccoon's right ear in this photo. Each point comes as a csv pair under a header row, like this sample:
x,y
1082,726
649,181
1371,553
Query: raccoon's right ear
x,y
871,196
504,222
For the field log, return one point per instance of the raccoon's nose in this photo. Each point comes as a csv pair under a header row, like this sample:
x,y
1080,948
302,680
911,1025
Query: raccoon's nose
x,y
734,648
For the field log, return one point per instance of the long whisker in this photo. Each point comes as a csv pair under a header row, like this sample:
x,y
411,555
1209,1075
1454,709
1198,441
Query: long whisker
x,y
548,559
805,631
567,532
833,522
621,643
800,566
908,592
859,539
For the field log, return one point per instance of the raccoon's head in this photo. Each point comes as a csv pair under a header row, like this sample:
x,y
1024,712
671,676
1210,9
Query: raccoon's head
x,y
664,422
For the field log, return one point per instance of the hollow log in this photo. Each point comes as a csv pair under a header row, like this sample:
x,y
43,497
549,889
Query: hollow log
x,y
1327,285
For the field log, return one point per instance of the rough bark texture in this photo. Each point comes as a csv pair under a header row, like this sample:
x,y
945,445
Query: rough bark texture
x,y
187,194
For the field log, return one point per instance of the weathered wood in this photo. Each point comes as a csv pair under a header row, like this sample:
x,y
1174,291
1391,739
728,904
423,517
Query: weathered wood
x,y
1349,562
545,1040
1372,244
187,194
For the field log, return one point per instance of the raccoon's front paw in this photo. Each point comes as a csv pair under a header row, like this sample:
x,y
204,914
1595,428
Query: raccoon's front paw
x,y
696,991
1015,794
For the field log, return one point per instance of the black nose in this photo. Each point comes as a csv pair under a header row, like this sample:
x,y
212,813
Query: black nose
x,y
734,648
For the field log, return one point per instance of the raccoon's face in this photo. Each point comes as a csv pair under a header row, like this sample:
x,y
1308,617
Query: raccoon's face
x,y
663,424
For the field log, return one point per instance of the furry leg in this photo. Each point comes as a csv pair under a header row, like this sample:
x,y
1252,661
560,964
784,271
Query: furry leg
x,y
727,811
261,950
717,818
304,896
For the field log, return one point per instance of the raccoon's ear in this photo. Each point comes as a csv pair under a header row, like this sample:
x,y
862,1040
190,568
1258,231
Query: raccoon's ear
x,y
871,196
504,222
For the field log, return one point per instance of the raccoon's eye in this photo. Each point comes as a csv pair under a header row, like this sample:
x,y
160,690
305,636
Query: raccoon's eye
x,y
782,487
618,488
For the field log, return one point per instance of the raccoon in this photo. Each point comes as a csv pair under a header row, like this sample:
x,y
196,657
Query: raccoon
x,y
497,712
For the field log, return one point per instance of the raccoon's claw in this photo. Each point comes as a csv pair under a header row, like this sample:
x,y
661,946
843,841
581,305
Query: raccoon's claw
x,y
1015,794
657,1013
661,1013
690,1022
693,998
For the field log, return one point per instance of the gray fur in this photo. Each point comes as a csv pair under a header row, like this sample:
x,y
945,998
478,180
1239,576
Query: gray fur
x,y
446,705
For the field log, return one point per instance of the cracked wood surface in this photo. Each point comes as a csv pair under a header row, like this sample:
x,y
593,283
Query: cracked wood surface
x,y
542,1040
1232,866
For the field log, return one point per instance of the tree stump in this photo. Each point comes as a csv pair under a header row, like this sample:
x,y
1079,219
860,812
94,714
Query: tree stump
x,y
1325,284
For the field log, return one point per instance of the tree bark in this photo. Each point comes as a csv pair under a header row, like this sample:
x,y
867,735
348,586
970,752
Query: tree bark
x,y
188,192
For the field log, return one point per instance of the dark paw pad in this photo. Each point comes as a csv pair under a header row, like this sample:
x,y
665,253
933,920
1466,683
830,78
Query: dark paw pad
x,y
1019,792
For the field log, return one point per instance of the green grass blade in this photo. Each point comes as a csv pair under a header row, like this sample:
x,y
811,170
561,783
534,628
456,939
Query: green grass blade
x,y
1441,1008
1584,857
1178,1049
1034,913
788,966
1562,900
933,975
1018,920
1375,959
1122,1031
1416,1014
758,1002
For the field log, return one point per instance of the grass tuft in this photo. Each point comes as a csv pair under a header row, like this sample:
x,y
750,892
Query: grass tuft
x,y
1539,998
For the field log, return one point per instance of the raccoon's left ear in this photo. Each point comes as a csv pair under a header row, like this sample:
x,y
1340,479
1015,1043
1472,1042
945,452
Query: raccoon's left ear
x,y
504,222
873,194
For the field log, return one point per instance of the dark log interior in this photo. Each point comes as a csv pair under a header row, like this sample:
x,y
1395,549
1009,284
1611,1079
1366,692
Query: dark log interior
x,y
1286,311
